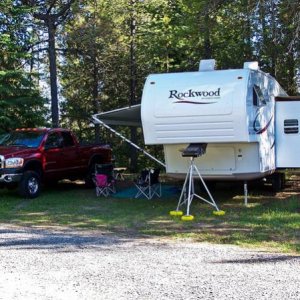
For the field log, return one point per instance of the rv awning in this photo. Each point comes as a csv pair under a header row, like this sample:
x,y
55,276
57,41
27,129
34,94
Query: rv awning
x,y
128,116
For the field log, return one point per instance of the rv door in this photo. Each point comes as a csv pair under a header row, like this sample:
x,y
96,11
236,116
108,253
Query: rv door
x,y
287,136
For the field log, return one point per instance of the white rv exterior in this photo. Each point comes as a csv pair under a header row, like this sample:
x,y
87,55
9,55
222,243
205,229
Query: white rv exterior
x,y
233,111
250,125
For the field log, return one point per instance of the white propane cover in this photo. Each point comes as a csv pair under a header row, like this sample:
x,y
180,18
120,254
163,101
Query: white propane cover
x,y
207,65
252,65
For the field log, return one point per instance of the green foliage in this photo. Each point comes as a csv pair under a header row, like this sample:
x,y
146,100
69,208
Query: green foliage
x,y
20,100
103,54
171,36
89,75
22,105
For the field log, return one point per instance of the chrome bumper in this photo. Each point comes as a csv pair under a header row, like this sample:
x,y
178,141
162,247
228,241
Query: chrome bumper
x,y
8,178
1,161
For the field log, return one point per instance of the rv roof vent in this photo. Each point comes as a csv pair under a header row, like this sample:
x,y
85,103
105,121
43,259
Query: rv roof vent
x,y
207,65
252,65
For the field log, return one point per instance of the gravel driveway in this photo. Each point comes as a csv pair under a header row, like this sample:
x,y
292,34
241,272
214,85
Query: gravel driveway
x,y
65,264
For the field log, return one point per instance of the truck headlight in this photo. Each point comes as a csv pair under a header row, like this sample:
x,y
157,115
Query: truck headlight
x,y
14,162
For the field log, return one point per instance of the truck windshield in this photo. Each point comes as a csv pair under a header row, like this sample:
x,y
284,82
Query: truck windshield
x,y
2,137
31,139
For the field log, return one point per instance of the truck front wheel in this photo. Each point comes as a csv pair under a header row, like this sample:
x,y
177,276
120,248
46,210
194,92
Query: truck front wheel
x,y
30,185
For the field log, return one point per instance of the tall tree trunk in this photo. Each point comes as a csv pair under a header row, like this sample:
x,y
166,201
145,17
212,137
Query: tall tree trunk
x,y
274,39
51,21
264,35
133,130
248,34
207,44
53,73
95,87
95,97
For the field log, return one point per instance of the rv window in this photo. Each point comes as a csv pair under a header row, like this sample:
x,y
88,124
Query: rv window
x,y
258,97
291,126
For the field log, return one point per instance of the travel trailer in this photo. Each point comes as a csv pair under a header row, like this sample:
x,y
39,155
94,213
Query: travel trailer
x,y
247,120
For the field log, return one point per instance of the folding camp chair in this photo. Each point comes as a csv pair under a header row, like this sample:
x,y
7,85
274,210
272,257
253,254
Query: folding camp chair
x,y
104,180
148,184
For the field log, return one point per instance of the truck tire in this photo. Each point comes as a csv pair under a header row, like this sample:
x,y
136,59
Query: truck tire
x,y
30,185
89,183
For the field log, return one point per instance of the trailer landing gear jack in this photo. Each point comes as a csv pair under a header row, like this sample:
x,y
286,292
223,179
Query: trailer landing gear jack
x,y
188,189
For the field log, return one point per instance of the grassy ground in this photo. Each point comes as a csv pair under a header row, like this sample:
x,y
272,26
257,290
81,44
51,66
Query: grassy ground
x,y
269,221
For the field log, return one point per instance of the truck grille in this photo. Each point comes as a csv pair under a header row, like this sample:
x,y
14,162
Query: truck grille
x,y
1,162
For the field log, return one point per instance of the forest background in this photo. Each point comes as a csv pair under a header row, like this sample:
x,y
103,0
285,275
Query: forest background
x,y
63,60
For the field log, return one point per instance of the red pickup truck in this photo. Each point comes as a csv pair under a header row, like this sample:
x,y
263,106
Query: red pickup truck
x,y
29,157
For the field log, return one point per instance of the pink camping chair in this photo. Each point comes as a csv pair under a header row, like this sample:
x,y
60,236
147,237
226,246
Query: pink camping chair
x,y
104,180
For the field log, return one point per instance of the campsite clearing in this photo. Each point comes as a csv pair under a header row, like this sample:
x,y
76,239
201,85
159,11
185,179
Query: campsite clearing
x,y
270,220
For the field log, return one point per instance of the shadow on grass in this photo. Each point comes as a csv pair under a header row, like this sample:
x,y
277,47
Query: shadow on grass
x,y
268,221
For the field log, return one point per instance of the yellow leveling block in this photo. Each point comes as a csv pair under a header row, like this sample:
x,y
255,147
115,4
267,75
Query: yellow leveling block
x,y
219,212
187,218
176,213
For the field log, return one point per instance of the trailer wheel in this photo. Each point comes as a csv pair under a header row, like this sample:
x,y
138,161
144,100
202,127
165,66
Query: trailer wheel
x,y
278,182
30,185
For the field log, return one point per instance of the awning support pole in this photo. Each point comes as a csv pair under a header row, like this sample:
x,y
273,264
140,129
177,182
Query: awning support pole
x,y
97,121
245,193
